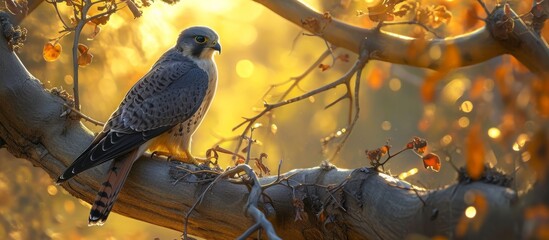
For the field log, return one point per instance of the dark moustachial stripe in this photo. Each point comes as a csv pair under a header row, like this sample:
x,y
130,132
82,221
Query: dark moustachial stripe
x,y
197,50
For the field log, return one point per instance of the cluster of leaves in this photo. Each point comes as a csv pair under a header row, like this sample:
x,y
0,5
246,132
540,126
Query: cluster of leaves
x,y
344,57
317,25
103,10
419,145
431,16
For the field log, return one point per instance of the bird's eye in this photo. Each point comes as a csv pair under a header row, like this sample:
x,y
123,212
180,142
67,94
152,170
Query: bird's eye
x,y
200,39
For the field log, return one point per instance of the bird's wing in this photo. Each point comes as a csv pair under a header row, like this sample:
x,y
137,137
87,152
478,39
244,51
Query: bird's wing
x,y
167,95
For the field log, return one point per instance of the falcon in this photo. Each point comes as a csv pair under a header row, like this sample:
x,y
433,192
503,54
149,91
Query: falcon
x,y
160,113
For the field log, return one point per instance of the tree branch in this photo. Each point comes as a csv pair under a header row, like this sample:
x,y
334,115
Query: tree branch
x,y
474,47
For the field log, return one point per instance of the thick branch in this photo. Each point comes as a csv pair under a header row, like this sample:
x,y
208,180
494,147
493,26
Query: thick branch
x,y
474,47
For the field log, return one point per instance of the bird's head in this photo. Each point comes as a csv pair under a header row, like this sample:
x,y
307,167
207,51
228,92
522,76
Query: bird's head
x,y
199,42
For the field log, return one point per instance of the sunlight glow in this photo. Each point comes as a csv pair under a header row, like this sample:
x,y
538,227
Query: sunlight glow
x,y
466,106
447,139
519,143
454,89
409,173
470,212
52,190
245,68
463,122
395,84
494,132
386,125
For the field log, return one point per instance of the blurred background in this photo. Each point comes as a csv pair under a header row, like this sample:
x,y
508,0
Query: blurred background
x,y
261,49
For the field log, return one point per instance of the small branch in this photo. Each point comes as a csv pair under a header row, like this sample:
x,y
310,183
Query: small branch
x,y
86,4
268,107
251,205
481,2
363,60
296,80
81,115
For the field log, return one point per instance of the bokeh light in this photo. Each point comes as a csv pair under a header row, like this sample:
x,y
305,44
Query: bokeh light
x,y
494,133
470,212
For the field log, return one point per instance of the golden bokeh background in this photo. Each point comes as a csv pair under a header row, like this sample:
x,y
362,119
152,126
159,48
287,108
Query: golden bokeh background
x,y
259,49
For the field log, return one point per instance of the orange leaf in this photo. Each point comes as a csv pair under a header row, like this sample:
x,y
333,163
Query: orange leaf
x,y
51,52
431,161
323,67
82,48
85,59
475,153
134,9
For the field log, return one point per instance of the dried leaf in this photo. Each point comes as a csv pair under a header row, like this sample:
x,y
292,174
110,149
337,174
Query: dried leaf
x,y
431,161
51,52
312,24
440,15
383,11
82,49
418,144
343,57
101,20
134,9
85,58
96,31
323,67
475,153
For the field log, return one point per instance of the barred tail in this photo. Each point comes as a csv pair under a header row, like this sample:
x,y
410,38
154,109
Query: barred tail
x,y
118,172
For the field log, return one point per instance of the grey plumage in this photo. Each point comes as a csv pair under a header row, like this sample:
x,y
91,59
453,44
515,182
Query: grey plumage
x,y
162,110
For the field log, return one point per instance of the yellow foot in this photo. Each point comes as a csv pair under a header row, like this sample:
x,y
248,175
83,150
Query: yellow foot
x,y
186,157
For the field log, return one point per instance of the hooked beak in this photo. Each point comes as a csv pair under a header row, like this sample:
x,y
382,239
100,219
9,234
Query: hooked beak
x,y
217,47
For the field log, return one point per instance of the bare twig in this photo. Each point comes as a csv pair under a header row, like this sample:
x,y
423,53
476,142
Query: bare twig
x,y
77,30
481,2
81,115
251,206
269,107
363,59
297,79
